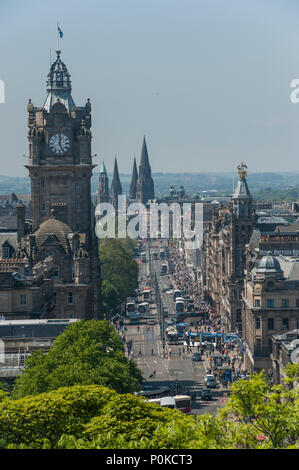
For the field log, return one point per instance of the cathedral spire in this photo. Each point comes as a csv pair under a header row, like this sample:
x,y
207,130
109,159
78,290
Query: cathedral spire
x,y
145,184
133,186
59,85
116,189
144,161
103,187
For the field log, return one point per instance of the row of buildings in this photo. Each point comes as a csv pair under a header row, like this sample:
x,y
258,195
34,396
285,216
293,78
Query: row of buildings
x,y
250,273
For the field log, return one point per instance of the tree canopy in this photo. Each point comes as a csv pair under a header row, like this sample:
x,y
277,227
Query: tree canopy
x,y
119,271
257,416
87,352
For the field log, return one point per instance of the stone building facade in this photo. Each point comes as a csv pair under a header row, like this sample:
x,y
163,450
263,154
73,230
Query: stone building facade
x,y
223,253
271,293
58,247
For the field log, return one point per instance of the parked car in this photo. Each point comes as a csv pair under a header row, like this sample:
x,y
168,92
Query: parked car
x,y
196,357
152,322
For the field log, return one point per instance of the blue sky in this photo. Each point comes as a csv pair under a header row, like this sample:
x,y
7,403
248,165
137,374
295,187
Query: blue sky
x,y
207,81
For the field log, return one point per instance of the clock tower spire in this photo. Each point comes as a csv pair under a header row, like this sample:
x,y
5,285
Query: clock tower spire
x,y
60,162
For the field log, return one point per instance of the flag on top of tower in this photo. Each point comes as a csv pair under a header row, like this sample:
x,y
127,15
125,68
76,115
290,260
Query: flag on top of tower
x,y
59,31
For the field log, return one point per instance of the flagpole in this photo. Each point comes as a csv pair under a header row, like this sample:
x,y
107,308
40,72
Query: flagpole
x,y
57,36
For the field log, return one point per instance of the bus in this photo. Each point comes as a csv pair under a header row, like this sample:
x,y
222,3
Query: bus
x,y
146,293
183,403
164,269
180,402
162,253
167,402
130,307
179,306
151,392
172,335
176,293
143,308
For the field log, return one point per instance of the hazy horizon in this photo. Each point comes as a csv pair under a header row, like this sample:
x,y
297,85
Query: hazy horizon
x,y
208,83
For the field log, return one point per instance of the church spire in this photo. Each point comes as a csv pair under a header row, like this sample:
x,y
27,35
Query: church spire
x,y
116,189
145,184
133,186
59,85
103,187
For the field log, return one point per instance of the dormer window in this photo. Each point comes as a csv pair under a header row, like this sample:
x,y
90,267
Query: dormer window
x,y
5,252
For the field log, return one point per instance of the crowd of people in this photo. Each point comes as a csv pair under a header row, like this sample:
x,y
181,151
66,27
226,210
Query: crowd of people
x,y
210,320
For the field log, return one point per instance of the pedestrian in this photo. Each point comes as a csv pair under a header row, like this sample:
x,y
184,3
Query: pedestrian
x,y
140,353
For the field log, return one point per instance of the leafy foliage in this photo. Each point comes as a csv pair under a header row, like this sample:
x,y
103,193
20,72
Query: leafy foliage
x,y
119,271
87,352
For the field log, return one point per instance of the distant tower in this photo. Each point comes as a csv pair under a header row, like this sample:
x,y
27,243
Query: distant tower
x,y
133,186
116,189
242,198
103,189
145,184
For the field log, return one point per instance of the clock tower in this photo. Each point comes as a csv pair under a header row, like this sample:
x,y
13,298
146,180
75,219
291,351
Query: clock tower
x,y
60,162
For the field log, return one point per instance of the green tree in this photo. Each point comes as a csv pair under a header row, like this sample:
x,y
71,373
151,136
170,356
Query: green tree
x,y
87,352
270,413
119,271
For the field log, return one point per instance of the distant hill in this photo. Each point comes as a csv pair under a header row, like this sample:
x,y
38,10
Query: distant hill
x,y
194,183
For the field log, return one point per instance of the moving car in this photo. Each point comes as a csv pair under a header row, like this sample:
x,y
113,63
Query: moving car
x,y
196,357
210,381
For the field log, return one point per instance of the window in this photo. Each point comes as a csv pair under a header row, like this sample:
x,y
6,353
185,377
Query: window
x,y
285,324
297,303
43,183
23,299
5,252
70,298
257,323
44,207
270,323
258,344
55,272
239,315
297,323
54,298
257,302
285,303
270,303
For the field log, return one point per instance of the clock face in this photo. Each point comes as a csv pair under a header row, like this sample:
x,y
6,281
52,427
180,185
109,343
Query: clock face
x,y
59,143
